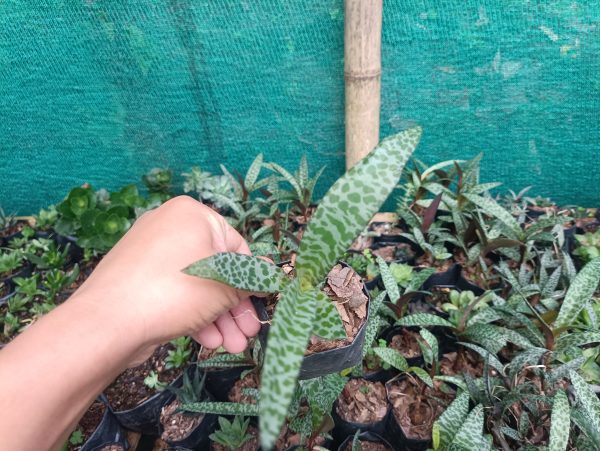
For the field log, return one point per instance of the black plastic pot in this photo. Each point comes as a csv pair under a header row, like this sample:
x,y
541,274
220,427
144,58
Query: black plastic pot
x,y
326,362
394,432
108,432
344,428
380,375
145,417
220,381
398,257
366,437
6,298
452,278
198,437
24,271
391,331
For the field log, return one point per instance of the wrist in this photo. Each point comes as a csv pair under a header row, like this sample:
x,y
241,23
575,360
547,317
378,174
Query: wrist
x,y
117,337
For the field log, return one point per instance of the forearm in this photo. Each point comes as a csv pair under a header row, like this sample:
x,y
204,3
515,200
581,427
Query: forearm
x,y
51,373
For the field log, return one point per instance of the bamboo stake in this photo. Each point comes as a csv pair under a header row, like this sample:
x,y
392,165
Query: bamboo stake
x,y
362,75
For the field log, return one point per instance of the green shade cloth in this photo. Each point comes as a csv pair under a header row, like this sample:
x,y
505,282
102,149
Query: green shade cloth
x,y
101,91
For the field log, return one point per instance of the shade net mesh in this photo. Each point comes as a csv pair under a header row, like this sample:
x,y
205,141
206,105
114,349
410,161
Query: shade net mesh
x,y
102,91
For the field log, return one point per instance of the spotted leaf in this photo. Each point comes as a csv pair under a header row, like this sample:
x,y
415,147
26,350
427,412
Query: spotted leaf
x,y
328,323
423,319
492,208
225,361
243,272
470,435
453,417
568,341
587,399
559,422
581,290
388,280
347,207
374,323
288,337
222,408
392,357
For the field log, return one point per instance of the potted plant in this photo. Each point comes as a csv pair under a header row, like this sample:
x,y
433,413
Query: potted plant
x,y
303,309
138,394
185,429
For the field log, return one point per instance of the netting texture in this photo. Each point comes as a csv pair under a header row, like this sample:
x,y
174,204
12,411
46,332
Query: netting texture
x,y
101,91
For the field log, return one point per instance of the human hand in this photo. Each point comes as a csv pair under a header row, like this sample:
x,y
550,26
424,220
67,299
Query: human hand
x,y
142,282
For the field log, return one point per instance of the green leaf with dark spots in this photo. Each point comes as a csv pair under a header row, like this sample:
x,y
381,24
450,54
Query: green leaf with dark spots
x,y
587,399
453,417
350,203
581,290
560,422
222,408
328,323
240,271
288,337
423,319
392,357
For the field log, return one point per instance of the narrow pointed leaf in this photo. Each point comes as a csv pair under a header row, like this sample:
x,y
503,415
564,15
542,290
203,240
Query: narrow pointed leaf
x,y
470,435
583,422
422,374
253,171
560,422
374,322
350,203
388,280
581,290
288,337
430,212
392,357
459,381
587,399
567,341
487,356
418,279
243,272
303,171
225,361
287,177
222,408
432,342
563,370
492,208
453,417
328,323
423,319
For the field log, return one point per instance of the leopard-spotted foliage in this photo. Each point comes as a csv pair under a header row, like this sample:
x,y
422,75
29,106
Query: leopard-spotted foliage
x,y
560,422
350,203
240,271
328,323
288,337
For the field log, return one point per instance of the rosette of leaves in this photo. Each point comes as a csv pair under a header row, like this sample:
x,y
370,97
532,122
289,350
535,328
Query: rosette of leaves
x,y
302,186
99,219
303,309
470,319
159,181
79,201
100,230
232,434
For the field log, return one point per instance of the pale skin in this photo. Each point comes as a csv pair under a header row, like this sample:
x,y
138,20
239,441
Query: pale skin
x,y
136,299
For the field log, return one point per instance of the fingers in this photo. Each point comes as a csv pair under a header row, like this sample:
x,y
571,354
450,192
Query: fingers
x,y
210,337
234,340
245,318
